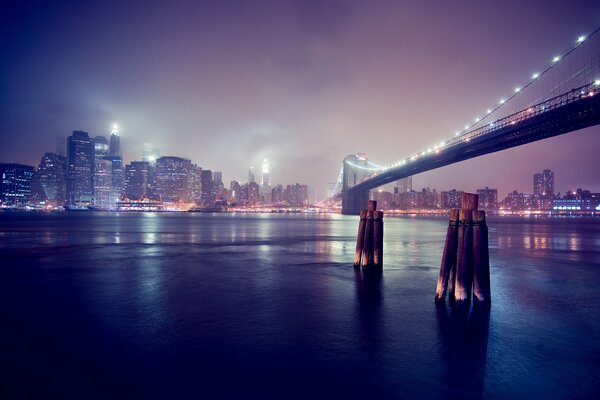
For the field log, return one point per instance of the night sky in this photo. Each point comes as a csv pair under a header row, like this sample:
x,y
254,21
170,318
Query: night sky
x,y
304,83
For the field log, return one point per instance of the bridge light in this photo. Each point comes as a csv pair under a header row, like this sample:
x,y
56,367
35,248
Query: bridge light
x,y
489,111
502,101
517,89
466,126
535,76
442,144
477,119
456,133
580,39
597,82
556,59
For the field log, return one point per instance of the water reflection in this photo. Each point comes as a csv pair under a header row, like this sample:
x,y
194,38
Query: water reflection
x,y
369,297
464,341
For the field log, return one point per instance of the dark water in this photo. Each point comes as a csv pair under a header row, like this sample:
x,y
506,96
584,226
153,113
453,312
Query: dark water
x,y
246,306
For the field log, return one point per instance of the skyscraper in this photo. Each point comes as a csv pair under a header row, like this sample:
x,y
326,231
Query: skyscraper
x,y
150,154
15,184
251,177
488,198
101,147
115,142
104,198
136,179
50,175
404,184
80,168
543,184
206,186
172,179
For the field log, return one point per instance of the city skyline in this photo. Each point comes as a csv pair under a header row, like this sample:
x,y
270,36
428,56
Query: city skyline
x,y
230,93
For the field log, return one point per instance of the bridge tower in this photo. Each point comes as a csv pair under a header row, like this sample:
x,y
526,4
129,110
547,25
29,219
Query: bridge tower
x,y
355,169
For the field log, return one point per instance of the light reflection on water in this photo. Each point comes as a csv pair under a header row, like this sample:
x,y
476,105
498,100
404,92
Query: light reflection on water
x,y
193,300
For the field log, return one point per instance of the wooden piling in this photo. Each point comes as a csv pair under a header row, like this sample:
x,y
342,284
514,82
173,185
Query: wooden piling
x,y
469,201
464,266
481,260
372,205
360,238
378,239
448,259
367,253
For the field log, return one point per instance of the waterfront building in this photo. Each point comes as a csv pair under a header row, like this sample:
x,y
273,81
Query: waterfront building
x,y
253,193
104,198
451,199
236,191
518,201
383,198
50,179
277,194
251,177
206,187
195,185
118,175
218,180
488,198
296,195
172,179
80,168
543,184
136,179
15,184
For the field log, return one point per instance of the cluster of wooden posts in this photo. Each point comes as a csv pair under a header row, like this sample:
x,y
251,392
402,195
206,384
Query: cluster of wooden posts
x,y
369,242
465,262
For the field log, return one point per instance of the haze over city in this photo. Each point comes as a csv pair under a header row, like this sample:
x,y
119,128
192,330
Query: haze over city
x,y
303,83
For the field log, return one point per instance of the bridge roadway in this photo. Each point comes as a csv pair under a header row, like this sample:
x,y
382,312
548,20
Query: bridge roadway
x,y
577,109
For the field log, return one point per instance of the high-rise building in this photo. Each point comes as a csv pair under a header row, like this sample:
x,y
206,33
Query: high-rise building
x,y
206,187
50,176
101,147
218,180
104,198
136,179
543,184
236,191
172,179
404,185
80,169
118,175
115,142
265,173
277,194
296,195
194,184
253,193
15,184
251,177
488,198
451,199
150,154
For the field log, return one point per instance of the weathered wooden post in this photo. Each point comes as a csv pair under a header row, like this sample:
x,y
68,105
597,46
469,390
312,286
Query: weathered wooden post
x,y
360,238
464,258
367,253
378,239
448,266
481,260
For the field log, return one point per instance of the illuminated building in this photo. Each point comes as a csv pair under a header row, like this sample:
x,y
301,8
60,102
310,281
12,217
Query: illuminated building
x,y
15,184
206,187
136,179
50,176
172,179
115,142
80,167
543,184
101,147
103,191
404,185
251,177
488,198
150,154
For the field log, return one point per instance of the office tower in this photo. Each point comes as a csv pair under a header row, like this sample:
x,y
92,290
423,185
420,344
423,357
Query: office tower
x,y
206,186
195,185
218,180
265,173
404,185
543,184
236,191
101,147
136,179
104,198
488,198
80,168
150,154
172,179
15,184
115,142
296,195
251,177
50,176
253,193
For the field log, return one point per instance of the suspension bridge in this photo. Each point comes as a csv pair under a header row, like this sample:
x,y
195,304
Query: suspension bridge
x,y
562,97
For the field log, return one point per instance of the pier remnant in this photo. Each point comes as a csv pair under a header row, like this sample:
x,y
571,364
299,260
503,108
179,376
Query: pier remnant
x,y
465,267
369,242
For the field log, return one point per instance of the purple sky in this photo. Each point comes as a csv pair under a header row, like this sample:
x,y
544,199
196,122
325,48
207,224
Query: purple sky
x,y
304,83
